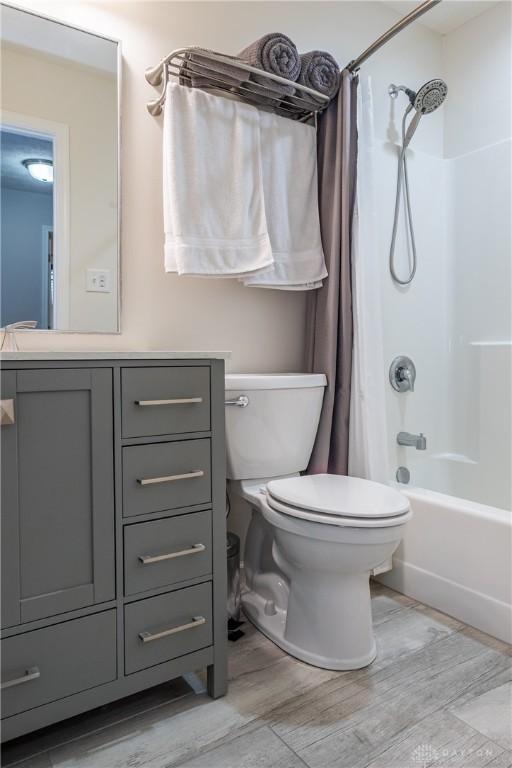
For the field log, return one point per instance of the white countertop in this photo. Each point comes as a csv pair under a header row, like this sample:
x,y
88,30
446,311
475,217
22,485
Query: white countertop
x,y
116,354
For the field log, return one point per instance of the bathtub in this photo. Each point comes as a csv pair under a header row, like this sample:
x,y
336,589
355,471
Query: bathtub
x,y
456,556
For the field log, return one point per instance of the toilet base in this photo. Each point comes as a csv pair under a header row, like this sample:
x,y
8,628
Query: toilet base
x,y
273,625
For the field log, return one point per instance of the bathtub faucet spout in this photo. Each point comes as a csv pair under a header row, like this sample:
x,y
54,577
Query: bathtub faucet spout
x,y
417,441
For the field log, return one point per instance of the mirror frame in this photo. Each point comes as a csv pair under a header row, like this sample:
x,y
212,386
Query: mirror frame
x,y
119,58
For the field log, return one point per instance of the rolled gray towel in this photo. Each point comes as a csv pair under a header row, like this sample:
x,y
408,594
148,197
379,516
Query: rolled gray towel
x,y
274,53
277,54
320,71
199,71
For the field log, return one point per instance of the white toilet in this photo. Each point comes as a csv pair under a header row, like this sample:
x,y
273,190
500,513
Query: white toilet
x,y
313,540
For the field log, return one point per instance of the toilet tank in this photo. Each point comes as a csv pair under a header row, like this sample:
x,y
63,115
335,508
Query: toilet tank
x,y
274,434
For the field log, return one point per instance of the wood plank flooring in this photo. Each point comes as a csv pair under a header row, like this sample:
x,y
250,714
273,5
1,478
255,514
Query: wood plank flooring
x,y
438,694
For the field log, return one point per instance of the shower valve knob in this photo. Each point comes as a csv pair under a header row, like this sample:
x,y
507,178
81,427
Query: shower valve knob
x,y
402,374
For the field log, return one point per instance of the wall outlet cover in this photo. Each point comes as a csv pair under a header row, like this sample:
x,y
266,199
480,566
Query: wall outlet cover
x,y
98,281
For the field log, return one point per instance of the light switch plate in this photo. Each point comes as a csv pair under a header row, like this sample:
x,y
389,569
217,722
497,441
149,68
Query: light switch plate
x,y
98,281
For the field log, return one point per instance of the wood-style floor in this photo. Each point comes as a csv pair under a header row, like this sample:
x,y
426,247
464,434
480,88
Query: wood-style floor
x,y
438,694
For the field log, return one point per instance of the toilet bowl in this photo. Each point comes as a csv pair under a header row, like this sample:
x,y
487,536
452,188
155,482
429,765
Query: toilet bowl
x,y
313,540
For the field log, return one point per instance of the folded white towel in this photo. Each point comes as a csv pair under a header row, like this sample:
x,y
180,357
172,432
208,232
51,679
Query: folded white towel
x,y
286,287
290,186
214,212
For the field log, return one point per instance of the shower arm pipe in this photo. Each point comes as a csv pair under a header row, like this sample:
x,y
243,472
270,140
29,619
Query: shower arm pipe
x,y
424,7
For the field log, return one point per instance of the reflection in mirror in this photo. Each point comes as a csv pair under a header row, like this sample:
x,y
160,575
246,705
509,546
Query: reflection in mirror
x,y
59,175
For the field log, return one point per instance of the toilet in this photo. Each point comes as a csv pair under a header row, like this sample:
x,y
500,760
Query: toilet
x,y
313,540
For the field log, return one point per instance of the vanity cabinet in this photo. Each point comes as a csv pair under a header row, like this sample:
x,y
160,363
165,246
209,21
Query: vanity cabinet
x,y
113,532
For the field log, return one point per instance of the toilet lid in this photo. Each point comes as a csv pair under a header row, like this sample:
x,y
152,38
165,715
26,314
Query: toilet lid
x,y
346,522
338,496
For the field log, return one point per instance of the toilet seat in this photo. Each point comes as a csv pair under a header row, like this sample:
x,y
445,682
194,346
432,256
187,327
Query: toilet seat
x,y
338,500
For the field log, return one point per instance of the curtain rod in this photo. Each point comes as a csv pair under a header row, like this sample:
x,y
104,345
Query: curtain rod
x,y
426,6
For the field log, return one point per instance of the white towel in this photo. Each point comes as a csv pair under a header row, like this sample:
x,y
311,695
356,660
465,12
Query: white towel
x,y
214,213
290,187
282,287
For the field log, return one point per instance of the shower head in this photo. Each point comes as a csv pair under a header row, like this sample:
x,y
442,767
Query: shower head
x,y
429,97
426,99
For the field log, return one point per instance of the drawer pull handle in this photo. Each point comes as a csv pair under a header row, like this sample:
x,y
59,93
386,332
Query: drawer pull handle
x,y
174,401
148,559
31,674
171,478
147,637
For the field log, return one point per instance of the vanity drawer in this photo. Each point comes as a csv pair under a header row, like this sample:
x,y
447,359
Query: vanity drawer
x,y
164,552
165,476
48,664
165,401
161,628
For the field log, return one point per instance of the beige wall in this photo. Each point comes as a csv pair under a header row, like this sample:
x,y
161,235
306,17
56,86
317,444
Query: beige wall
x,y
85,100
264,329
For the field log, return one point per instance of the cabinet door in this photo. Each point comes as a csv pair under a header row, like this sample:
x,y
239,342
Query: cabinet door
x,y
58,498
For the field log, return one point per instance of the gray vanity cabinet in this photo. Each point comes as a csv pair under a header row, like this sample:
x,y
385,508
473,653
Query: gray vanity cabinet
x,y
58,493
113,532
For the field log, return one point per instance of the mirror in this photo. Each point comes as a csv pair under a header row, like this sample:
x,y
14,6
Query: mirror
x,y
59,136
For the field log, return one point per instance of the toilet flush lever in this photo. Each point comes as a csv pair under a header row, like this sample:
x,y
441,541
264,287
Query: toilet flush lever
x,y
241,402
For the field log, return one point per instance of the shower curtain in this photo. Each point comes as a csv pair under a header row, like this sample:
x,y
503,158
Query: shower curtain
x,y
368,439
329,309
344,318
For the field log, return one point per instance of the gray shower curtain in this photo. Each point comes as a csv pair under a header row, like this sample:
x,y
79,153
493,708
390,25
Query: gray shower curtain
x,y
329,329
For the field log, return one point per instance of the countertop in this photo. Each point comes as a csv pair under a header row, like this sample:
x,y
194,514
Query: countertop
x,y
118,354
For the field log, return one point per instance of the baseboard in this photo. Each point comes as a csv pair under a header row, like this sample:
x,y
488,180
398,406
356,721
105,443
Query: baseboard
x,y
474,608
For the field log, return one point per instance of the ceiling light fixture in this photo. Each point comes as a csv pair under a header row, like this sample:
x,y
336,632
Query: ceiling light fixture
x,y
41,170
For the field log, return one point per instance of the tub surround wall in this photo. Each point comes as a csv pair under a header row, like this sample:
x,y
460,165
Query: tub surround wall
x,y
416,317
454,319
477,64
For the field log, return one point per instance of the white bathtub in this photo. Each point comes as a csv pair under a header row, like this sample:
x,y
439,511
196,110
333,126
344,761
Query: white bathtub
x,y
456,556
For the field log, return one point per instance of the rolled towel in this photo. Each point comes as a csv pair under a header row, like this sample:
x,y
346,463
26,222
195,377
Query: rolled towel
x,y
320,71
277,54
200,71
